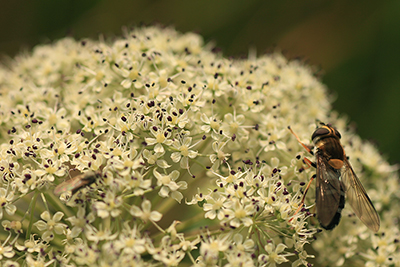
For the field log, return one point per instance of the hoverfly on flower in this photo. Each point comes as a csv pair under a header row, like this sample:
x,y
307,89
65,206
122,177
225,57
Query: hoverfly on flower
x,y
335,179
76,183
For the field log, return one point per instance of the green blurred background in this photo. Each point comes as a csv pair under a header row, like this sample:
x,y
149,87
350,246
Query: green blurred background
x,y
355,44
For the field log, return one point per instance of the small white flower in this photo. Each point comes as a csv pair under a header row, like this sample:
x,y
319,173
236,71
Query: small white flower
x,y
39,261
5,202
31,245
169,186
241,244
184,147
50,225
97,235
239,213
274,255
6,251
211,247
215,206
130,242
160,137
110,206
220,155
232,126
145,213
80,221
13,225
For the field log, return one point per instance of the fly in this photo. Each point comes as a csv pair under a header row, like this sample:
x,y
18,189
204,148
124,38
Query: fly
x,y
335,180
76,183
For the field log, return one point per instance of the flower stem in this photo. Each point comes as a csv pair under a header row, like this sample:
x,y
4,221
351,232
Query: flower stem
x,y
31,209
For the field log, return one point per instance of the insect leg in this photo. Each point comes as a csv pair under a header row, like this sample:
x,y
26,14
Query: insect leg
x,y
298,139
304,196
309,163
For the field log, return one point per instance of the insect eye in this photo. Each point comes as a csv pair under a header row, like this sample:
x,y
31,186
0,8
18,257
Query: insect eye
x,y
320,132
337,134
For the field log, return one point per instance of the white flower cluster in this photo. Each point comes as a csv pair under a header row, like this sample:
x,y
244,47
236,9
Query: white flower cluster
x,y
193,161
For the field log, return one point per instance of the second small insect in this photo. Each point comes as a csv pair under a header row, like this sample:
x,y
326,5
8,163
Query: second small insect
x,y
76,183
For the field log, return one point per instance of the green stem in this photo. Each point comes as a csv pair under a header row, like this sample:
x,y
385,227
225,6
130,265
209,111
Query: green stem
x,y
165,205
184,225
158,227
31,209
45,202
191,257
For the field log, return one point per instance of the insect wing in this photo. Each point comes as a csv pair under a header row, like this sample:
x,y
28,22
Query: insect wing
x,y
88,179
69,185
329,194
75,184
358,198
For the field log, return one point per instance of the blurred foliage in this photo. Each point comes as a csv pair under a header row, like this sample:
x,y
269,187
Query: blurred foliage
x,y
355,44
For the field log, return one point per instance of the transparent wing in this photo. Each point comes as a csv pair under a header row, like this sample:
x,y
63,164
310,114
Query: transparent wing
x,y
358,198
76,183
329,194
69,185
